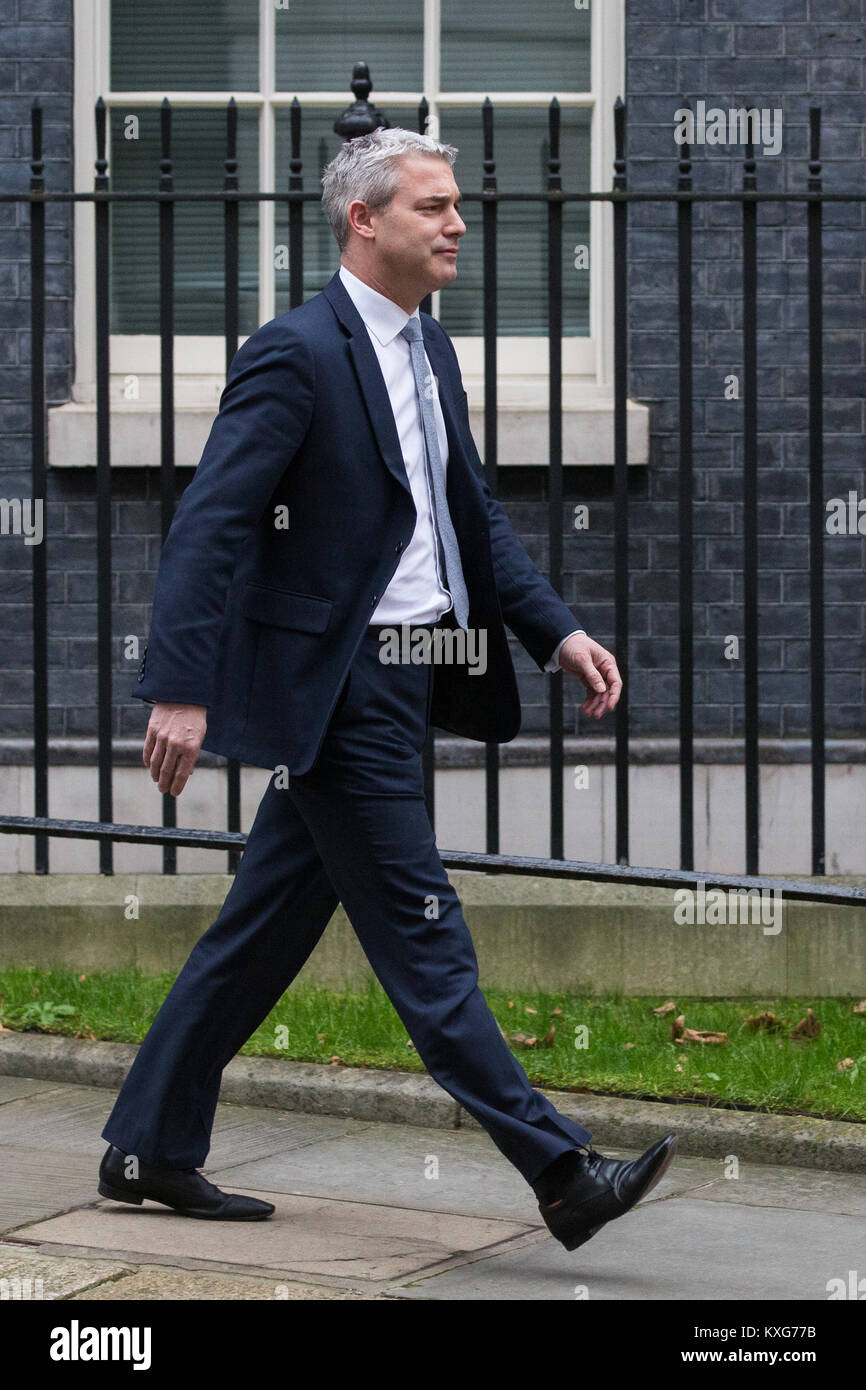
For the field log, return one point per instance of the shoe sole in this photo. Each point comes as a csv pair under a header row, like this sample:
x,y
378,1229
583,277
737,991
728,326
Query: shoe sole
x,y
581,1237
117,1195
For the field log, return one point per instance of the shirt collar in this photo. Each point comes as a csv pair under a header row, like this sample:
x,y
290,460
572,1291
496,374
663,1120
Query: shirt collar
x,y
382,316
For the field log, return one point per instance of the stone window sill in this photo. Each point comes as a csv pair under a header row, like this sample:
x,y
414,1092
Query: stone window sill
x,y
587,430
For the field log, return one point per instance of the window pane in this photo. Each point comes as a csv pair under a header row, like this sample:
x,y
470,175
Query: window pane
x,y
196,45
319,42
319,144
198,148
505,45
521,150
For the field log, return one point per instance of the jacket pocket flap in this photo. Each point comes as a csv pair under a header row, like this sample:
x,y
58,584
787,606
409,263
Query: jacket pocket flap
x,y
281,608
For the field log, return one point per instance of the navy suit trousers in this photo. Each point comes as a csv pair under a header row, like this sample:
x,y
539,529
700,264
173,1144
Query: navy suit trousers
x,y
353,829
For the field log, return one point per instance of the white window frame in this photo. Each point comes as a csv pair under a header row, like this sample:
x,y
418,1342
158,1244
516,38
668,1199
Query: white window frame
x,y
199,360
522,362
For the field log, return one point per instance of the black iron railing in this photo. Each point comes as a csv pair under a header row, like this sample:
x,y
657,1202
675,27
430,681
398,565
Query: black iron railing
x,y
554,197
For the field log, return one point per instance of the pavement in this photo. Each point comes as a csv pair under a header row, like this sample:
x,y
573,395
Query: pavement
x,y
371,1210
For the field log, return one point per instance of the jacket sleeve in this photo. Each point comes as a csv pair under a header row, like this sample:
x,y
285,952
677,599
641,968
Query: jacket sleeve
x,y
530,605
264,413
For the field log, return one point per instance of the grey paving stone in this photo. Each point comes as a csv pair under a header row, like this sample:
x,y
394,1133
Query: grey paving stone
x,y
244,1133
682,1248
18,1087
306,1235
795,1189
468,1174
65,1119
36,1182
159,1282
69,1119
33,1275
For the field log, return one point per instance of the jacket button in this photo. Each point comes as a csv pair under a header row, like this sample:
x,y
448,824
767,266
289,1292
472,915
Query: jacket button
x,y
399,546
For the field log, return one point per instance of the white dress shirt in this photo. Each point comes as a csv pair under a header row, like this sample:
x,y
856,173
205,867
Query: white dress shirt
x,y
417,592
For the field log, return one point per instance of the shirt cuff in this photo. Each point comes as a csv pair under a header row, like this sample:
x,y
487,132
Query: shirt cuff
x,y
553,663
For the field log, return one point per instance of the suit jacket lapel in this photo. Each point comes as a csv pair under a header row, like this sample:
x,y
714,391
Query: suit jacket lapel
x,y
373,391
375,394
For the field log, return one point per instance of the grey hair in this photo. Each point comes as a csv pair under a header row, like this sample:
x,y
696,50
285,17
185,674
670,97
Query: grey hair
x,y
368,168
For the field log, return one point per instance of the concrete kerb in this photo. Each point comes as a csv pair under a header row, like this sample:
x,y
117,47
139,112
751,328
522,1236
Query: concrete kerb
x,y
403,1098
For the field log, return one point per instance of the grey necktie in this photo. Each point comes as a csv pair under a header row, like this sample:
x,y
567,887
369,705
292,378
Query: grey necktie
x,y
442,516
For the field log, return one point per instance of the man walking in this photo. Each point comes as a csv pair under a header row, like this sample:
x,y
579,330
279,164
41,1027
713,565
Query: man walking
x,y
340,495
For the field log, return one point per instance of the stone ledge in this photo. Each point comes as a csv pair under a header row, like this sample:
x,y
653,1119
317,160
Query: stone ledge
x,y
567,935
587,433
528,750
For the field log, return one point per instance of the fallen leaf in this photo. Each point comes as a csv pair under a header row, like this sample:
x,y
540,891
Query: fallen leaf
x,y
557,1013
807,1029
511,1004
320,1037
81,978
845,1064
547,1040
677,1067
860,1008
528,1010
663,1009
628,1044
334,1061
681,1034
765,1020
410,1045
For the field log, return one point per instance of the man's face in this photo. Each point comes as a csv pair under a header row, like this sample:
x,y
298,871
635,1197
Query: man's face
x,y
412,243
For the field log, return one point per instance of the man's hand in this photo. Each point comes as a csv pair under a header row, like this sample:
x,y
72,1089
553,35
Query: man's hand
x,y
596,668
174,736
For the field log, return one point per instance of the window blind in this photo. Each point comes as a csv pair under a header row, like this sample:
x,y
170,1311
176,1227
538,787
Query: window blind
x,y
318,43
184,45
198,147
509,46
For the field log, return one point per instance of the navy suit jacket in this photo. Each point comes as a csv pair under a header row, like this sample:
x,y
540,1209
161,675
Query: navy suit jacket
x,y
259,621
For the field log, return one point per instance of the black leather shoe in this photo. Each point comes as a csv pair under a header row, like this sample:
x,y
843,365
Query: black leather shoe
x,y
184,1189
602,1189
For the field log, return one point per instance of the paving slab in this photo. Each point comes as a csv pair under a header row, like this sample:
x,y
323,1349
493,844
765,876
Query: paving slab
x,y
305,1235
65,1119
37,1182
19,1087
428,1170
793,1189
31,1274
431,1170
160,1282
69,1120
681,1248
